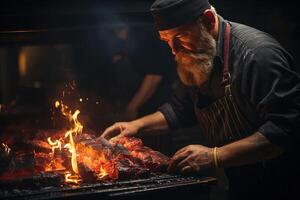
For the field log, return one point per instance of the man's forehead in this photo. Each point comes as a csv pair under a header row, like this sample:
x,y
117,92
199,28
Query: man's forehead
x,y
176,30
173,31
166,33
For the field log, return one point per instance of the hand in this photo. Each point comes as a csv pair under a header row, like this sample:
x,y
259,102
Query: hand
x,y
192,159
120,129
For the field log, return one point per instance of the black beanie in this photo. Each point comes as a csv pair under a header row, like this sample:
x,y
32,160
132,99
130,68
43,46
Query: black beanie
x,y
172,13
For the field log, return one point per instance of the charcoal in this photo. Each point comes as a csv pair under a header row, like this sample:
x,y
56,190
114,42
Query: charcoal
x,y
103,145
87,175
39,145
22,160
42,160
83,137
66,157
126,159
99,145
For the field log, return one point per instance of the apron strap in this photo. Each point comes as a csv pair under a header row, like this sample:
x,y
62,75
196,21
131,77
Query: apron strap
x,y
226,74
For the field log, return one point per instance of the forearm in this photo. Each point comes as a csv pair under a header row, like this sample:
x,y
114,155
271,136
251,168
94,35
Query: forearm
x,y
145,91
252,149
153,123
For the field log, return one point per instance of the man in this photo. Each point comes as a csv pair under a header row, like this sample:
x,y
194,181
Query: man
x,y
241,88
138,76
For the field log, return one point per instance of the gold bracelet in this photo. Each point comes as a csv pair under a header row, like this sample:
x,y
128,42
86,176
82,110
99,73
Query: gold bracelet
x,y
216,158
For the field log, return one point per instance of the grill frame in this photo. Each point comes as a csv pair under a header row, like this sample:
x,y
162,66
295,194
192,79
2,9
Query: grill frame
x,y
162,186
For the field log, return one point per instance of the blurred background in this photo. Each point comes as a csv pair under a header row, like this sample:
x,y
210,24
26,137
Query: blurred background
x,y
105,59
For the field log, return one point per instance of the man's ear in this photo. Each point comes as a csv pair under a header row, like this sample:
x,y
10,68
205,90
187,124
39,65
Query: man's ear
x,y
209,19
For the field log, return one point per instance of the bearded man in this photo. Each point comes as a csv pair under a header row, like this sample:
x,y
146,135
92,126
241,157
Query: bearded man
x,y
241,88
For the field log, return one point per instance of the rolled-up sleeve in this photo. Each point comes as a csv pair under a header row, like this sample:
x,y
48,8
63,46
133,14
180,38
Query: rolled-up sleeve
x,y
179,111
273,89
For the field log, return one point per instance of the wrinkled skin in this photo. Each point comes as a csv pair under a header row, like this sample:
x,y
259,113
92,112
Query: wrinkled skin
x,y
118,130
194,49
192,159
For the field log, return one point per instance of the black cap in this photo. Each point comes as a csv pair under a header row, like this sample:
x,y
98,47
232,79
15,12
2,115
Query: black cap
x,y
172,13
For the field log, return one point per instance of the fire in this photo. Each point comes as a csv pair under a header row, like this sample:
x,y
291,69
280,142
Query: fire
x,y
69,178
71,145
57,104
76,155
72,149
7,149
76,128
94,160
54,145
102,173
83,158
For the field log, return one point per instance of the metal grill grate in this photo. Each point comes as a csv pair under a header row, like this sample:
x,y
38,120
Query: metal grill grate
x,y
158,185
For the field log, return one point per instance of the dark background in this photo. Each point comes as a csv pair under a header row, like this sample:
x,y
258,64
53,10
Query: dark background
x,y
277,18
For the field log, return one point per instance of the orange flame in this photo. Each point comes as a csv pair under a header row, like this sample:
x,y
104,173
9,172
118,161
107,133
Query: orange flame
x,y
102,174
94,160
7,149
69,178
54,145
71,146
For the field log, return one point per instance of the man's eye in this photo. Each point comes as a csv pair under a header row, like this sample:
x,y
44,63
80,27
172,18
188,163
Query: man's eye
x,y
183,36
180,36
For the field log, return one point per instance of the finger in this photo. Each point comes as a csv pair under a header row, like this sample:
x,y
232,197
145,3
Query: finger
x,y
111,132
186,170
114,140
183,163
175,160
106,134
181,150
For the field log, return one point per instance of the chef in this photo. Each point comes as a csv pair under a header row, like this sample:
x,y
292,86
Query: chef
x,y
241,88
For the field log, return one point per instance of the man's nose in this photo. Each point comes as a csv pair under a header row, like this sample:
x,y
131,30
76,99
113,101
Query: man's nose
x,y
175,46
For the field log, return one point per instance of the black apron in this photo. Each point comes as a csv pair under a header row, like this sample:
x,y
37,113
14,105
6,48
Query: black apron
x,y
222,122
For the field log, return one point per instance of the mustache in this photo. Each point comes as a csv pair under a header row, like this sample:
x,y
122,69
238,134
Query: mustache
x,y
189,57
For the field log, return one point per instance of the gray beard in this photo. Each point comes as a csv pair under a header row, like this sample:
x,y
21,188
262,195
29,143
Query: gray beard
x,y
194,68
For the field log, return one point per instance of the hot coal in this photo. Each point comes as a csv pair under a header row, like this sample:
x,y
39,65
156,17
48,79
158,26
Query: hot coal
x,y
88,175
39,145
97,160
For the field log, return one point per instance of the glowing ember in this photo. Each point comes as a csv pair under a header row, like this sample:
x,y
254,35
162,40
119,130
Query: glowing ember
x,y
7,149
81,157
57,104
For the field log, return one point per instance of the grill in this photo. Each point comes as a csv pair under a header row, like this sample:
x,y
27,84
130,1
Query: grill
x,y
163,186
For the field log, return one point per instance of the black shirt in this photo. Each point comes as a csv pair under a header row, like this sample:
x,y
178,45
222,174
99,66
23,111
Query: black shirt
x,y
141,54
265,86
